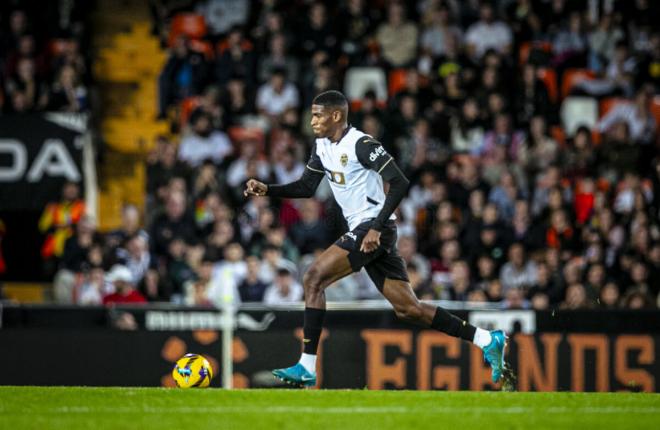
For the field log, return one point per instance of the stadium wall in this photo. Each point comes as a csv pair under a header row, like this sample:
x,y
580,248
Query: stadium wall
x,y
359,350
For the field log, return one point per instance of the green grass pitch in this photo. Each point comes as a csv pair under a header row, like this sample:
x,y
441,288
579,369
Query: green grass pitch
x,y
155,408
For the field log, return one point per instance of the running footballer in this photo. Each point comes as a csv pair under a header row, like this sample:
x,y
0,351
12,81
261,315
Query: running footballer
x,y
357,166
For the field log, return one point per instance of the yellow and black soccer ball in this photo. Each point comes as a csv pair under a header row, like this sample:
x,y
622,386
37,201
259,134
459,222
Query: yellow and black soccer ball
x,y
192,370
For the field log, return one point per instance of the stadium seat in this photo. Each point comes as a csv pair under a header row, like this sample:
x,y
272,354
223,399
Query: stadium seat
x,y
361,79
187,24
526,49
188,105
57,47
557,133
572,77
655,110
396,81
578,111
549,78
610,103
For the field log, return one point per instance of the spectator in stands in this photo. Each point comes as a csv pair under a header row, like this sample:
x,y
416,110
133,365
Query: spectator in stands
x,y
278,57
130,225
93,288
125,291
250,164
397,36
162,166
135,256
252,288
184,75
518,272
576,298
438,29
222,15
175,221
196,290
310,232
488,33
570,44
637,116
67,93
356,23
285,289
532,98
277,95
235,58
317,33
204,143
26,91
467,131
603,40
58,218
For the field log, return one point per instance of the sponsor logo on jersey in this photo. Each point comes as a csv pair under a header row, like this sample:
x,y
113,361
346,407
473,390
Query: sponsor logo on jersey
x,y
377,152
343,160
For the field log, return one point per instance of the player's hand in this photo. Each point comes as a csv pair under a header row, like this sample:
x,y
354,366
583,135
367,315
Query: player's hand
x,y
255,188
371,241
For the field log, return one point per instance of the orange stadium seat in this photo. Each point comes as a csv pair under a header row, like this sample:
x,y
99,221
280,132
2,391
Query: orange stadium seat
x,y
396,81
549,78
187,24
655,109
572,77
610,103
188,105
526,48
557,133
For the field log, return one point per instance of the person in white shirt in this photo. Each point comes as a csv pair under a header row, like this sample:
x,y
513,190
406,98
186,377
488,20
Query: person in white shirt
x,y
488,34
204,142
278,95
637,115
285,289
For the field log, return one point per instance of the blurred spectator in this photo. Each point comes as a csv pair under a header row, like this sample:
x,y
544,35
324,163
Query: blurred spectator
x,y
196,290
135,256
235,58
175,221
93,288
397,36
285,289
277,95
278,57
637,116
184,75
222,15
204,143
488,33
438,30
57,220
67,93
125,291
310,232
518,272
252,289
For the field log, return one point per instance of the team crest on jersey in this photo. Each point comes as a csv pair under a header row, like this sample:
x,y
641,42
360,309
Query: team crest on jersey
x,y
343,160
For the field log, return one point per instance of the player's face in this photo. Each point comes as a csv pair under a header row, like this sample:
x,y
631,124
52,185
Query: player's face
x,y
323,121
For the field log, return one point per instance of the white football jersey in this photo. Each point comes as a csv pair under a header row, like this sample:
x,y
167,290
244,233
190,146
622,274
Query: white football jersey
x,y
353,167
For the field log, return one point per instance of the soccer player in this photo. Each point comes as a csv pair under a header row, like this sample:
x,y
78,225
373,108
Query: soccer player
x,y
357,166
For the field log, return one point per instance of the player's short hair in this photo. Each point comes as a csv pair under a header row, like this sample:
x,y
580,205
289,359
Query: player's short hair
x,y
331,98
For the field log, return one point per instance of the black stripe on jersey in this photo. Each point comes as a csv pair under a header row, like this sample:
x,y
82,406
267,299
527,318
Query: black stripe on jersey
x,y
372,201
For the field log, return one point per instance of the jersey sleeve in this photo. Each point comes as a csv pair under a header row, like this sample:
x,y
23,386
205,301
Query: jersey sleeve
x,y
371,154
314,163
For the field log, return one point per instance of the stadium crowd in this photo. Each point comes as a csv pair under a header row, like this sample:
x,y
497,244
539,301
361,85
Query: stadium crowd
x,y
518,196
42,61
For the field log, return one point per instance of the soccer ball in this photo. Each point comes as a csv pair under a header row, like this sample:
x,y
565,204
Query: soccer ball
x,y
192,370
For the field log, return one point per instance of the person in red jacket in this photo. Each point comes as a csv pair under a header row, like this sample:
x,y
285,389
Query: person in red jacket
x,y
125,291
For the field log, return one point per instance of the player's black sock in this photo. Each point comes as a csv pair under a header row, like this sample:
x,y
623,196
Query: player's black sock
x,y
452,325
312,329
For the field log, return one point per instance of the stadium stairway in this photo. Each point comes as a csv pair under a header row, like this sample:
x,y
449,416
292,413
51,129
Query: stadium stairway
x,y
127,62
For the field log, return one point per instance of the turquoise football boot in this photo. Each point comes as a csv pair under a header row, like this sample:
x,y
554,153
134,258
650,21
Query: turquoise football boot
x,y
296,375
494,354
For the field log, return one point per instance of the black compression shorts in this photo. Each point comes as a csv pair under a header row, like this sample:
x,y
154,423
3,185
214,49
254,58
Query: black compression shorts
x,y
384,262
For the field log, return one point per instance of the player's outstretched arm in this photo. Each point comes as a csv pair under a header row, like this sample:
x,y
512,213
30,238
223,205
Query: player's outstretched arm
x,y
303,188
